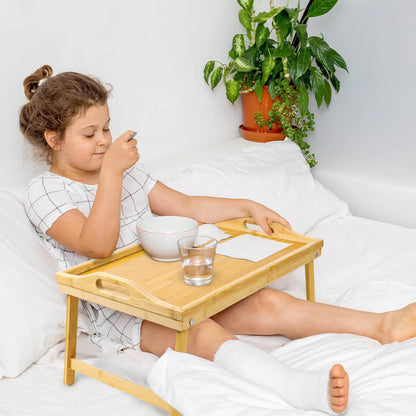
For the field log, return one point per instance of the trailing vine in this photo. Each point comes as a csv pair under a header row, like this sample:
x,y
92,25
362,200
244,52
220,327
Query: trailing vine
x,y
285,113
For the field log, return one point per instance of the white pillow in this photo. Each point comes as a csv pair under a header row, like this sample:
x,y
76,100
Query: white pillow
x,y
274,174
32,310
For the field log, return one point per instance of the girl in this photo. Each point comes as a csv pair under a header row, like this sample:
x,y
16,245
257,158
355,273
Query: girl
x,y
88,203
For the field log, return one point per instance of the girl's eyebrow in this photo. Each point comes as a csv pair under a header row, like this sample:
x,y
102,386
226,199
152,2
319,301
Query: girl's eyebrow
x,y
94,125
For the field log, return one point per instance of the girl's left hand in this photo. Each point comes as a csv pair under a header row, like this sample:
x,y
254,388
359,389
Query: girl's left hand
x,y
263,216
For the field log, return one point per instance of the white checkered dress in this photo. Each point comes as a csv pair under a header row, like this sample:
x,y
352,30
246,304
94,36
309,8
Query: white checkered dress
x,y
49,196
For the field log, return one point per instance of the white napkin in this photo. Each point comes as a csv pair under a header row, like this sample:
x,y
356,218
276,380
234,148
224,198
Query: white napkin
x,y
250,247
211,230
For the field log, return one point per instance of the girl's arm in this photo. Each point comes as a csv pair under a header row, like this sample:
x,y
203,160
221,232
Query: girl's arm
x,y
166,201
97,235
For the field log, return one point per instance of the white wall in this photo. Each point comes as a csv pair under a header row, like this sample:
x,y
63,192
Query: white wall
x,y
365,142
153,53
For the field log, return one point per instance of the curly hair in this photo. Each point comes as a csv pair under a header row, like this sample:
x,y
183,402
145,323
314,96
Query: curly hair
x,y
53,102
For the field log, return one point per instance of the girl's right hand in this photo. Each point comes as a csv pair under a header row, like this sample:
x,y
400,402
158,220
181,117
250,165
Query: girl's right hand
x,y
122,154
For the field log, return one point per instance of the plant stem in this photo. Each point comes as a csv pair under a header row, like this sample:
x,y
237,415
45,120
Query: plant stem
x,y
284,60
303,19
285,68
251,89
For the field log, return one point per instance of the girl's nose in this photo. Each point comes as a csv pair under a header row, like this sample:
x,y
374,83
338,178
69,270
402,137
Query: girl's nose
x,y
101,140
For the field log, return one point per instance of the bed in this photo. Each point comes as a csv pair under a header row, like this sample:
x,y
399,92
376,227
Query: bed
x,y
364,264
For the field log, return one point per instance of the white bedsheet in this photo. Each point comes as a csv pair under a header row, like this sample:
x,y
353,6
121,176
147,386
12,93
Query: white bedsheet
x,y
364,264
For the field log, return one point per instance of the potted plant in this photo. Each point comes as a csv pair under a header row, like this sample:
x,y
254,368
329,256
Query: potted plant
x,y
278,63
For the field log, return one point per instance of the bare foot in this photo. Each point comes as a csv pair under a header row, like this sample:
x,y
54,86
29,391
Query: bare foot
x,y
338,388
399,325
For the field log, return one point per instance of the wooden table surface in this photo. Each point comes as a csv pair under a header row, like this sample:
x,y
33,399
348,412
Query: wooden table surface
x,y
132,282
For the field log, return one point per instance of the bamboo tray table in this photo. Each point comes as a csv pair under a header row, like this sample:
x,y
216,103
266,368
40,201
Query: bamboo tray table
x,y
131,281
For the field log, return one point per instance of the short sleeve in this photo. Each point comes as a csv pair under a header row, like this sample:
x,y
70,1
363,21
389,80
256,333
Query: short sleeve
x,y
47,199
137,177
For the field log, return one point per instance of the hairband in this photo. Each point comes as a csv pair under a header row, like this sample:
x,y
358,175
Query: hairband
x,y
42,81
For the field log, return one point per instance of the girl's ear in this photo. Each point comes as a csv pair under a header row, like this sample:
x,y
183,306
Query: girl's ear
x,y
51,138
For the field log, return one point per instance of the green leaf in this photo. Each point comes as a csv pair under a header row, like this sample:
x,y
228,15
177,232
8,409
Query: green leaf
x,y
232,54
318,85
285,49
251,55
232,89
239,46
267,67
293,13
338,60
273,89
323,70
292,65
303,62
301,31
208,69
327,93
320,7
335,82
258,88
243,64
240,77
245,19
262,33
303,100
322,52
265,16
246,4
284,24
216,77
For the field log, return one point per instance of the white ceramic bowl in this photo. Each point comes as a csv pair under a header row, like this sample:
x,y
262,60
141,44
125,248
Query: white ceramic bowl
x,y
159,235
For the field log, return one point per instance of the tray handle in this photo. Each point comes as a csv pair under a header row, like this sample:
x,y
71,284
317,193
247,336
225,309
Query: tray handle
x,y
115,287
112,287
280,232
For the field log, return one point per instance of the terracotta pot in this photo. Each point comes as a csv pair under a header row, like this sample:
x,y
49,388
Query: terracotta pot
x,y
258,136
252,105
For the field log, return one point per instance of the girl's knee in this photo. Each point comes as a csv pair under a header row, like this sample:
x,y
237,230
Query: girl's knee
x,y
271,300
206,337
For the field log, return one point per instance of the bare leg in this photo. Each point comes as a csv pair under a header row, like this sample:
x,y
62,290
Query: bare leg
x,y
399,325
270,312
204,338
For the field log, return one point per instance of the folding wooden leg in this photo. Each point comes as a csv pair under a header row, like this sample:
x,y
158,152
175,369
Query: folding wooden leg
x,y
181,345
181,341
71,338
310,281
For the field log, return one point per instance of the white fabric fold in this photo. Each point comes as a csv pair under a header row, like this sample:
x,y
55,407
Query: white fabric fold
x,y
195,386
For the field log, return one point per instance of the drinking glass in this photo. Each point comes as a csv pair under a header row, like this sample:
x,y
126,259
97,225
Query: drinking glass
x,y
197,258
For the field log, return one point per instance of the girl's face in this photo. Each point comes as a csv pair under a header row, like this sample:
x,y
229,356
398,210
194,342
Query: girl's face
x,y
80,154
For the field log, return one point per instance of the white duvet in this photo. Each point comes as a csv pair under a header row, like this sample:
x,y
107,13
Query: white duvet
x,y
364,264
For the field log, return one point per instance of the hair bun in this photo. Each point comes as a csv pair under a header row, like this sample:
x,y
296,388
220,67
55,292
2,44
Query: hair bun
x,y
31,83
